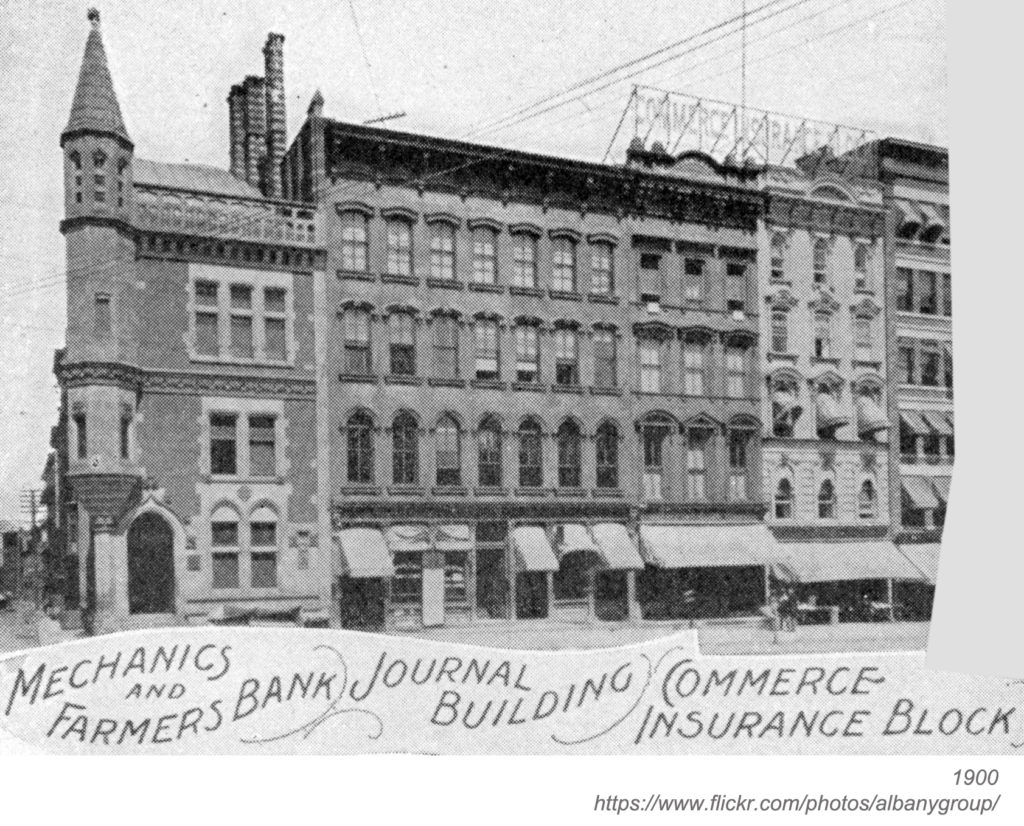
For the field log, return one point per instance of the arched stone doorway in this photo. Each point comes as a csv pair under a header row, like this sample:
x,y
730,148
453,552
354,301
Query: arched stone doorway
x,y
150,565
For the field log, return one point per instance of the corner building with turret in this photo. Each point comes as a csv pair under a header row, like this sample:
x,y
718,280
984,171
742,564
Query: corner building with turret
x,y
391,381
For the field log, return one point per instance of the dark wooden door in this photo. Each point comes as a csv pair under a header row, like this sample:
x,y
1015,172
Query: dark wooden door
x,y
150,566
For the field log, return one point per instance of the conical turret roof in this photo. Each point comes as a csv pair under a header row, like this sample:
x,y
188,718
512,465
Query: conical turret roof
x,y
95,107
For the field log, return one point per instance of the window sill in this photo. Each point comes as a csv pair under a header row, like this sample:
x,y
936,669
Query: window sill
x,y
868,365
406,490
410,280
863,291
532,492
571,493
411,381
490,491
788,358
570,389
605,391
528,386
565,296
485,288
531,291
352,275
238,479
831,362
360,490
601,298
200,358
358,378
445,284
607,493
449,491
488,384
437,382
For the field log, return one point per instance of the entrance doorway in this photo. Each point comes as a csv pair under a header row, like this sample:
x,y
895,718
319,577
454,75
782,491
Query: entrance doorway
x,y
150,565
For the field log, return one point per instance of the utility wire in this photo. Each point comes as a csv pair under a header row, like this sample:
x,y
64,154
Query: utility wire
x,y
366,56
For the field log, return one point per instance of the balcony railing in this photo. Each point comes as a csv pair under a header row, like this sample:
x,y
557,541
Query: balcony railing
x,y
221,216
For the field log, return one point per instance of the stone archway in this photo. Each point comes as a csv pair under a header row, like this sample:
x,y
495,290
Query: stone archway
x,y
150,565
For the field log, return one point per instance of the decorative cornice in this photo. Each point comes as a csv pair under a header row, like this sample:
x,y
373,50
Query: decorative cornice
x,y
159,381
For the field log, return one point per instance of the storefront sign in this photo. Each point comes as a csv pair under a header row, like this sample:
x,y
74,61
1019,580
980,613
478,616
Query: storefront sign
x,y
268,690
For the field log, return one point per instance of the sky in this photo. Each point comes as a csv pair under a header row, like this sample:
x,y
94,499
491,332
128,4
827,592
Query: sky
x,y
452,66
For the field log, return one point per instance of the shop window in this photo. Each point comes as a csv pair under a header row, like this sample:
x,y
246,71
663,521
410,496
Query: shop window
x,y
359,443
456,575
569,456
486,335
524,260
442,251
449,453
402,328
407,583
567,363
399,247
489,453
405,450
607,455
531,456
354,242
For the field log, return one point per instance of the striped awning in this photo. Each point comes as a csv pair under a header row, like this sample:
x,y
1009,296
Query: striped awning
x,y
909,216
925,558
842,562
912,419
452,538
938,422
920,492
533,550
706,546
574,538
364,553
941,484
787,403
616,547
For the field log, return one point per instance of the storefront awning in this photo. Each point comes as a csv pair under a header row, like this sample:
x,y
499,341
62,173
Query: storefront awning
x,y
920,492
617,549
574,538
912,419
938,422
925,558
401,538
871,417
829,412
941,484
533,550
786,404
706,546
842,562
909,216
453,538
364,554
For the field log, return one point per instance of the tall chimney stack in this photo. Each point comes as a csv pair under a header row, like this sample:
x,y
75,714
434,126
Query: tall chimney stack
x,y
273,61
236,126
255,129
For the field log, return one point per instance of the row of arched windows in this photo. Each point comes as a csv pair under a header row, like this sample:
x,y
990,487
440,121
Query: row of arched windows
x,y
827,505
450,442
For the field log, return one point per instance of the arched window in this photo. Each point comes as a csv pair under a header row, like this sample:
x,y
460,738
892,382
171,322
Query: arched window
x,y
531,455
569,459
784,499
489,453
226,546
868,500
607,449
821,254
359,433
778,257
827,500
449,453
405,450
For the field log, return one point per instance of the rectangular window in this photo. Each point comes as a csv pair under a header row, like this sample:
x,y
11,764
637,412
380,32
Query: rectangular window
x,y
126,432
357,342
780,331
930,364
822,335
735,288
449,470
241,321
563,274
485,257
399,247
486,334
207,333
739,441
262,446
102,321
861,257
697,443
601,265
524,260
527,353
650,367
81,436
223,444
605,368
862,343
694,366
263,569
928,297
607,450
446,347
403,344
652,284
354,242
225,570
275,344
736,372
905,363
947,295
904,289
693,279
567,367
442,251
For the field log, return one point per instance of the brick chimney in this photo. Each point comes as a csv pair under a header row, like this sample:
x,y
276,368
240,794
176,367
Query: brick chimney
x,y
273,59
255,129
236,126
